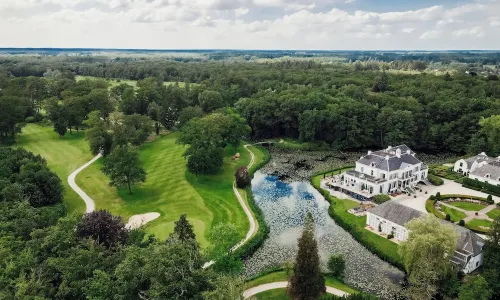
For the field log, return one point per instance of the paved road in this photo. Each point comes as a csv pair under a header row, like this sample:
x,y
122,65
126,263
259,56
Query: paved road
x,y
283,284
89,202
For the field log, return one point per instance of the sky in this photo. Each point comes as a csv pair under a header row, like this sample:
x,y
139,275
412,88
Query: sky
x,y
252,24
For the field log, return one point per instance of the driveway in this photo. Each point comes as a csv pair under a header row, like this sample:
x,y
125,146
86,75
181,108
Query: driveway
x,y
449,187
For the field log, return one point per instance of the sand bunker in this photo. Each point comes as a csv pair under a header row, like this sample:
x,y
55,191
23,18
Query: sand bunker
x,y
137,221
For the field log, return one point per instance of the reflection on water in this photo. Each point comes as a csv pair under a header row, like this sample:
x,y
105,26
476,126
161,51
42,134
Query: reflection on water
x,y
284,206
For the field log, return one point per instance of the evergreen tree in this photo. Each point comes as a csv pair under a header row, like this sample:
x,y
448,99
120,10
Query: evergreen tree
x,y
307,282
184,230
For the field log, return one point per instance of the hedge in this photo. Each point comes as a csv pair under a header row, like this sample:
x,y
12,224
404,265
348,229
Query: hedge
x,y
382,247
447,196
481,186
435,180
357,296
381,198
249,248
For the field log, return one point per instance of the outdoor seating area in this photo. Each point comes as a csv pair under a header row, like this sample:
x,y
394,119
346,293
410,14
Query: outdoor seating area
x,y
360,210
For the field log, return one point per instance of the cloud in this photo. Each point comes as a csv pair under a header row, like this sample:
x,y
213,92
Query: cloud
x,y
430,35
263,24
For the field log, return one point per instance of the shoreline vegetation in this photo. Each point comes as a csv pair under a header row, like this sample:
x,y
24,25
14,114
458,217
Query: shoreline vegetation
x,y
380,246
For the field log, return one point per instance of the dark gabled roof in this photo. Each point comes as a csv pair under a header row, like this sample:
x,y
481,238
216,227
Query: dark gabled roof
x,y
479,158
388,160
492,168
395,212
467,242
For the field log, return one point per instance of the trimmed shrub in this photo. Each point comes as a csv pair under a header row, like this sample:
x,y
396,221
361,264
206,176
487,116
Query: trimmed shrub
x,y
461,223
481,186
336,265
242,177
29,120
447,217
489,199
435,180
432,197
438,196
390,236
380,198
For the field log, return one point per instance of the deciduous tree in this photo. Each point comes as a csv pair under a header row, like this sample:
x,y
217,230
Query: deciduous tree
x,y
124,167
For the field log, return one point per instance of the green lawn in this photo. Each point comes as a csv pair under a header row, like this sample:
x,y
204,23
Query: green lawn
x,y
171,190
114,82
455,215
276,294
281,276
494,213
63,155
467,205
478,224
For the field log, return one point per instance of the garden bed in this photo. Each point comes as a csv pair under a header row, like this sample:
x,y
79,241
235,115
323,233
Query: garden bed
x,y
465,205
479,225
494,213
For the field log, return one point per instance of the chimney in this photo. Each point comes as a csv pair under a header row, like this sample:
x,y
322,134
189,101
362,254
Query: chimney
x,y
387,157
408,151
369,152
389,148
398,153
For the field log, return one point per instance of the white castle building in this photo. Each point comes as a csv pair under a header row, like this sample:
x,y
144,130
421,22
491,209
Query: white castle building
x,y
383,172
480,167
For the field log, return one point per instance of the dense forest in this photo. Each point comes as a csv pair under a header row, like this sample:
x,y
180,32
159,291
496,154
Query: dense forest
x,y
341,106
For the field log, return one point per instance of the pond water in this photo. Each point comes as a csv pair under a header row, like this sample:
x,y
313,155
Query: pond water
x,y
284,206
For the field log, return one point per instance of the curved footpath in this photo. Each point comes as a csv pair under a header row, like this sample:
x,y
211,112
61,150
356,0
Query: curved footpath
x,y
139,220
89,202
253,228
281,285
135,221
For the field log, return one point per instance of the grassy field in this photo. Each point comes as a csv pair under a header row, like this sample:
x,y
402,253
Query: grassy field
x,y
114,82
171,190
467,205
282,276
495,213
478,225
63,155
455,215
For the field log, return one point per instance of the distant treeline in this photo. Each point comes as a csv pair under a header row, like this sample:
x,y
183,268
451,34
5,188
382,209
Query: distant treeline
x,y
345,106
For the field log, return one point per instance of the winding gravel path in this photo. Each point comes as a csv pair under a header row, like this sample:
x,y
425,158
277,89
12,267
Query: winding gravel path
x,y
253,228
89,202
283,284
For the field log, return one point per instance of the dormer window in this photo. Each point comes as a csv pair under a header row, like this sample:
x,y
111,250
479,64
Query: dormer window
x,y
372,164
487,176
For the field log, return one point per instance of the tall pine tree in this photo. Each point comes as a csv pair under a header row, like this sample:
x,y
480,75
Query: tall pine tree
x,y
184,230
307,281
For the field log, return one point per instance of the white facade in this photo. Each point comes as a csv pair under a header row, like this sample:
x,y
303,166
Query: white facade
x,y
385,172
465,166
400,232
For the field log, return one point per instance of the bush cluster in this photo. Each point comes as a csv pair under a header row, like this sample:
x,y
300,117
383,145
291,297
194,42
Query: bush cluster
x,y
435,180
381,198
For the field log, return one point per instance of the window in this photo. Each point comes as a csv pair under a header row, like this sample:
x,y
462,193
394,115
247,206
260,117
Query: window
x,y
383,175
477,263
372,173
362,169
461,164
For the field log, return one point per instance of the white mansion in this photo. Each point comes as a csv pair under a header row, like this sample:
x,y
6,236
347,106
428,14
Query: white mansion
x,y
480,167
391,217
383,172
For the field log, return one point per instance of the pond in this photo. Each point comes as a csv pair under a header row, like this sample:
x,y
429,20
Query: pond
x,y
284,205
